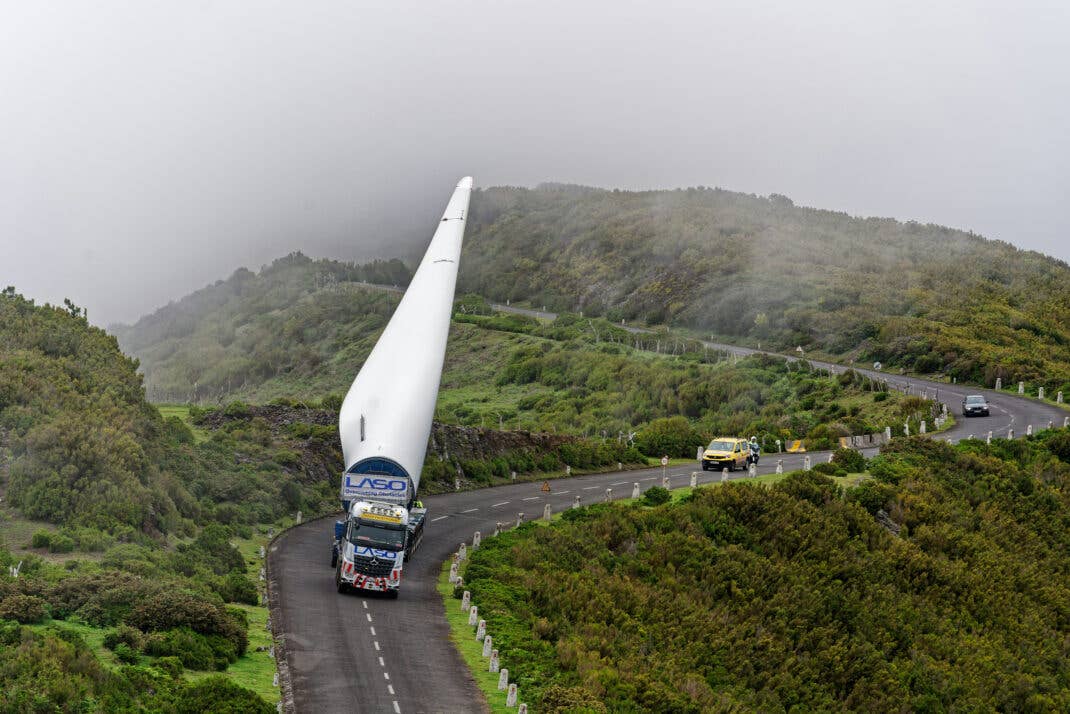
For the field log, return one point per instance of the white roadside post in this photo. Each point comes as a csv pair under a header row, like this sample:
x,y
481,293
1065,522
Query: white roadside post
x,y
609,495
1029,430
922,429
988,439
522,709
481,629
576,502
780,466
620,466
698,455
1066,422
778,450
635,490
665,482
462,553
724,475
503,679
887,433
1058,397
999,383
1010,433
519,519
831,454
476,538
1021,387
752,471
466,601
510,698
806,463
495,663
488,646
473,615
546,512
694,479
1040,393
453,573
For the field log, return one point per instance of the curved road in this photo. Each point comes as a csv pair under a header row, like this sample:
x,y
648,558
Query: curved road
x,y
366,653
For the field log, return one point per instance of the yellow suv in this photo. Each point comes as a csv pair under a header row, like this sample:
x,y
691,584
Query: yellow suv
x,y
725,453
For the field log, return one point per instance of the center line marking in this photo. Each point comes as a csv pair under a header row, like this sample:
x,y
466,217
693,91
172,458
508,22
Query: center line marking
x,y
373,631
503,503
562,493
589,488
369,616
397,709
386,675
438,519
533,498
381,662
365,603
390,688
376,643
618,483
470,510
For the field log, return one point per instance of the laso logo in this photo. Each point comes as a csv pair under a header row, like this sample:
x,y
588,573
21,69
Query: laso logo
x,y
379,484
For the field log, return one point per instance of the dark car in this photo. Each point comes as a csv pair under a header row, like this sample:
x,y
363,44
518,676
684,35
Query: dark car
x,y
974,405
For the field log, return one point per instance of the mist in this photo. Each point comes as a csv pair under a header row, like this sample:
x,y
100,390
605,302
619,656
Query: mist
x,y
151,148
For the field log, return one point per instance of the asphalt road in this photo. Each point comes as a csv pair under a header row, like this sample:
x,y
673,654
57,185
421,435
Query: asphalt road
x,y
370,654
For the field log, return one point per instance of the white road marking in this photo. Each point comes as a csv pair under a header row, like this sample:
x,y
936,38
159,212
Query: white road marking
x,y
390,688
648,479
386,675
373,631
365,603
562,493
533,498
376,643
369,616
618,483
438,519
470,510
589,488
381,662
397,709
503,503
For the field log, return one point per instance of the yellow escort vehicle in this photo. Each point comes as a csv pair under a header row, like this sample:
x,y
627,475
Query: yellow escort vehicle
x,y
725,453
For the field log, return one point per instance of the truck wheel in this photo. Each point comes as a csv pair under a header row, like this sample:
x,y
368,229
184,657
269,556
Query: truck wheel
x,y
342,588
334,557
392,594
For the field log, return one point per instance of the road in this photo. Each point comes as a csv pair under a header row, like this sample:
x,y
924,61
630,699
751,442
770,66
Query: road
x,y
366,653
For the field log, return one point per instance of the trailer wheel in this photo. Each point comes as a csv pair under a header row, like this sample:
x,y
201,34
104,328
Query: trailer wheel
x,y
334,557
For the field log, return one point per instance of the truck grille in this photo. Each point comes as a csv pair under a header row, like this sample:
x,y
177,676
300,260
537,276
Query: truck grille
x,y
375,567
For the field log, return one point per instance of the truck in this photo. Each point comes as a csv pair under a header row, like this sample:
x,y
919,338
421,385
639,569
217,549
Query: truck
x,y
372,545
385,419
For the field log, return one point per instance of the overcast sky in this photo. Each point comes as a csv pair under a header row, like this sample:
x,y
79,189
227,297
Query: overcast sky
x,y
149,148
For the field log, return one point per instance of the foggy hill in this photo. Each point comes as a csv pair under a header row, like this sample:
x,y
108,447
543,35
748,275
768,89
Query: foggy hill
x,y
924,297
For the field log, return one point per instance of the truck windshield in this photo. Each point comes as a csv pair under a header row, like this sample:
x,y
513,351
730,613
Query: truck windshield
x,y
720,446
372,536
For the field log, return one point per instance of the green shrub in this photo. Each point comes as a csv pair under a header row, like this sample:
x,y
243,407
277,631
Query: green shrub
x,y
125,654
851,460
169,665
195,650
41,539
236,587
26,609
656,495
219,695
61,543
124,635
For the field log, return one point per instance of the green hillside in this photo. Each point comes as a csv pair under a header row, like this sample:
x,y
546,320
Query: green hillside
x,y
126,526
287,334
924,297
942,583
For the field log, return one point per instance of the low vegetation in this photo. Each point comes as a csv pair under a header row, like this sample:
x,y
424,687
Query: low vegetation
x,y
939,583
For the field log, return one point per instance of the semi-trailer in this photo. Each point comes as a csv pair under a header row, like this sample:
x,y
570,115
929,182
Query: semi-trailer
x,y
386,416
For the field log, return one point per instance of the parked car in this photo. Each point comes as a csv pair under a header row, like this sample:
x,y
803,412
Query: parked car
x,y
974,405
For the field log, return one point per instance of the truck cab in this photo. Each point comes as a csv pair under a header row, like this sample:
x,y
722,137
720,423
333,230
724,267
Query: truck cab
x,y
370,547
